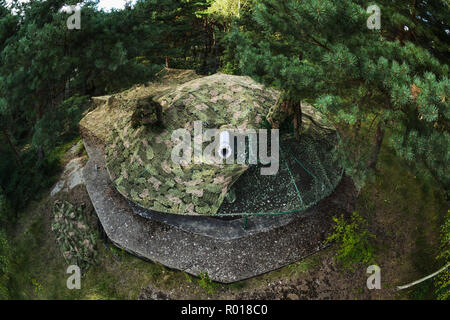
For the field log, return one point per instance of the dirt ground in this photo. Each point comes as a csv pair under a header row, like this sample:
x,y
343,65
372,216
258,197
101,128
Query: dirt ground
x,y
324,281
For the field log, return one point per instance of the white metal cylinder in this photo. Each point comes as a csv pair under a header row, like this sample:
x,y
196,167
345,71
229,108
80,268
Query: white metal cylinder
x,y
224,145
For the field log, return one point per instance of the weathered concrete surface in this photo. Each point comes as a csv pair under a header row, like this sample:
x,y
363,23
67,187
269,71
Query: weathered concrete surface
x,y
224,260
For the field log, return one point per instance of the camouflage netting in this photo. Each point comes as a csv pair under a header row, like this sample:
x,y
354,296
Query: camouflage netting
x,y
73,235
307,174
136,126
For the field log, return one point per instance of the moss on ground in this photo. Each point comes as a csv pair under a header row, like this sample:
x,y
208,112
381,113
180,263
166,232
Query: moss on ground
x,y
405,211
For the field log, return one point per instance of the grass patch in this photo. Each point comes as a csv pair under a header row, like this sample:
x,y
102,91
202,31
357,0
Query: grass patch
x,y
206,283
303,266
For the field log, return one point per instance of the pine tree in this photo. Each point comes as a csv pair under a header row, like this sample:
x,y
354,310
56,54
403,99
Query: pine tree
x,y
423,22
323,52
170,31
46,70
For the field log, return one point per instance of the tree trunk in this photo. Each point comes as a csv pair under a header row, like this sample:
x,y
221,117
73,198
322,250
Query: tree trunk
x,y
40,153
40,150
376,146
207,45
11,145
297,108
167,62
40,112
358,127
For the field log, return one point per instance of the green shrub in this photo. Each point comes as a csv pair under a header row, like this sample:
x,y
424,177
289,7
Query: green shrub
x,y
353,240
60,126
55,134
206,283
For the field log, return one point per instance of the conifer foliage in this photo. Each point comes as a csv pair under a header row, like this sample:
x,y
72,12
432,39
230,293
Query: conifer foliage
x,y
367,80
48,72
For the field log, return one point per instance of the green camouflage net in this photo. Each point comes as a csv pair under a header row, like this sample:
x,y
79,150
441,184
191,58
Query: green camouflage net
x,y
139,157
307,174
309,171
73,235
136,127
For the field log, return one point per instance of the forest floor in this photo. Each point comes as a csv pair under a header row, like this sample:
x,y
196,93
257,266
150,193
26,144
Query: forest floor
x,y
403,211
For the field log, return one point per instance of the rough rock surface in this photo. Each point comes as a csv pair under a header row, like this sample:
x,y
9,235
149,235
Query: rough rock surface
x,y
71,177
